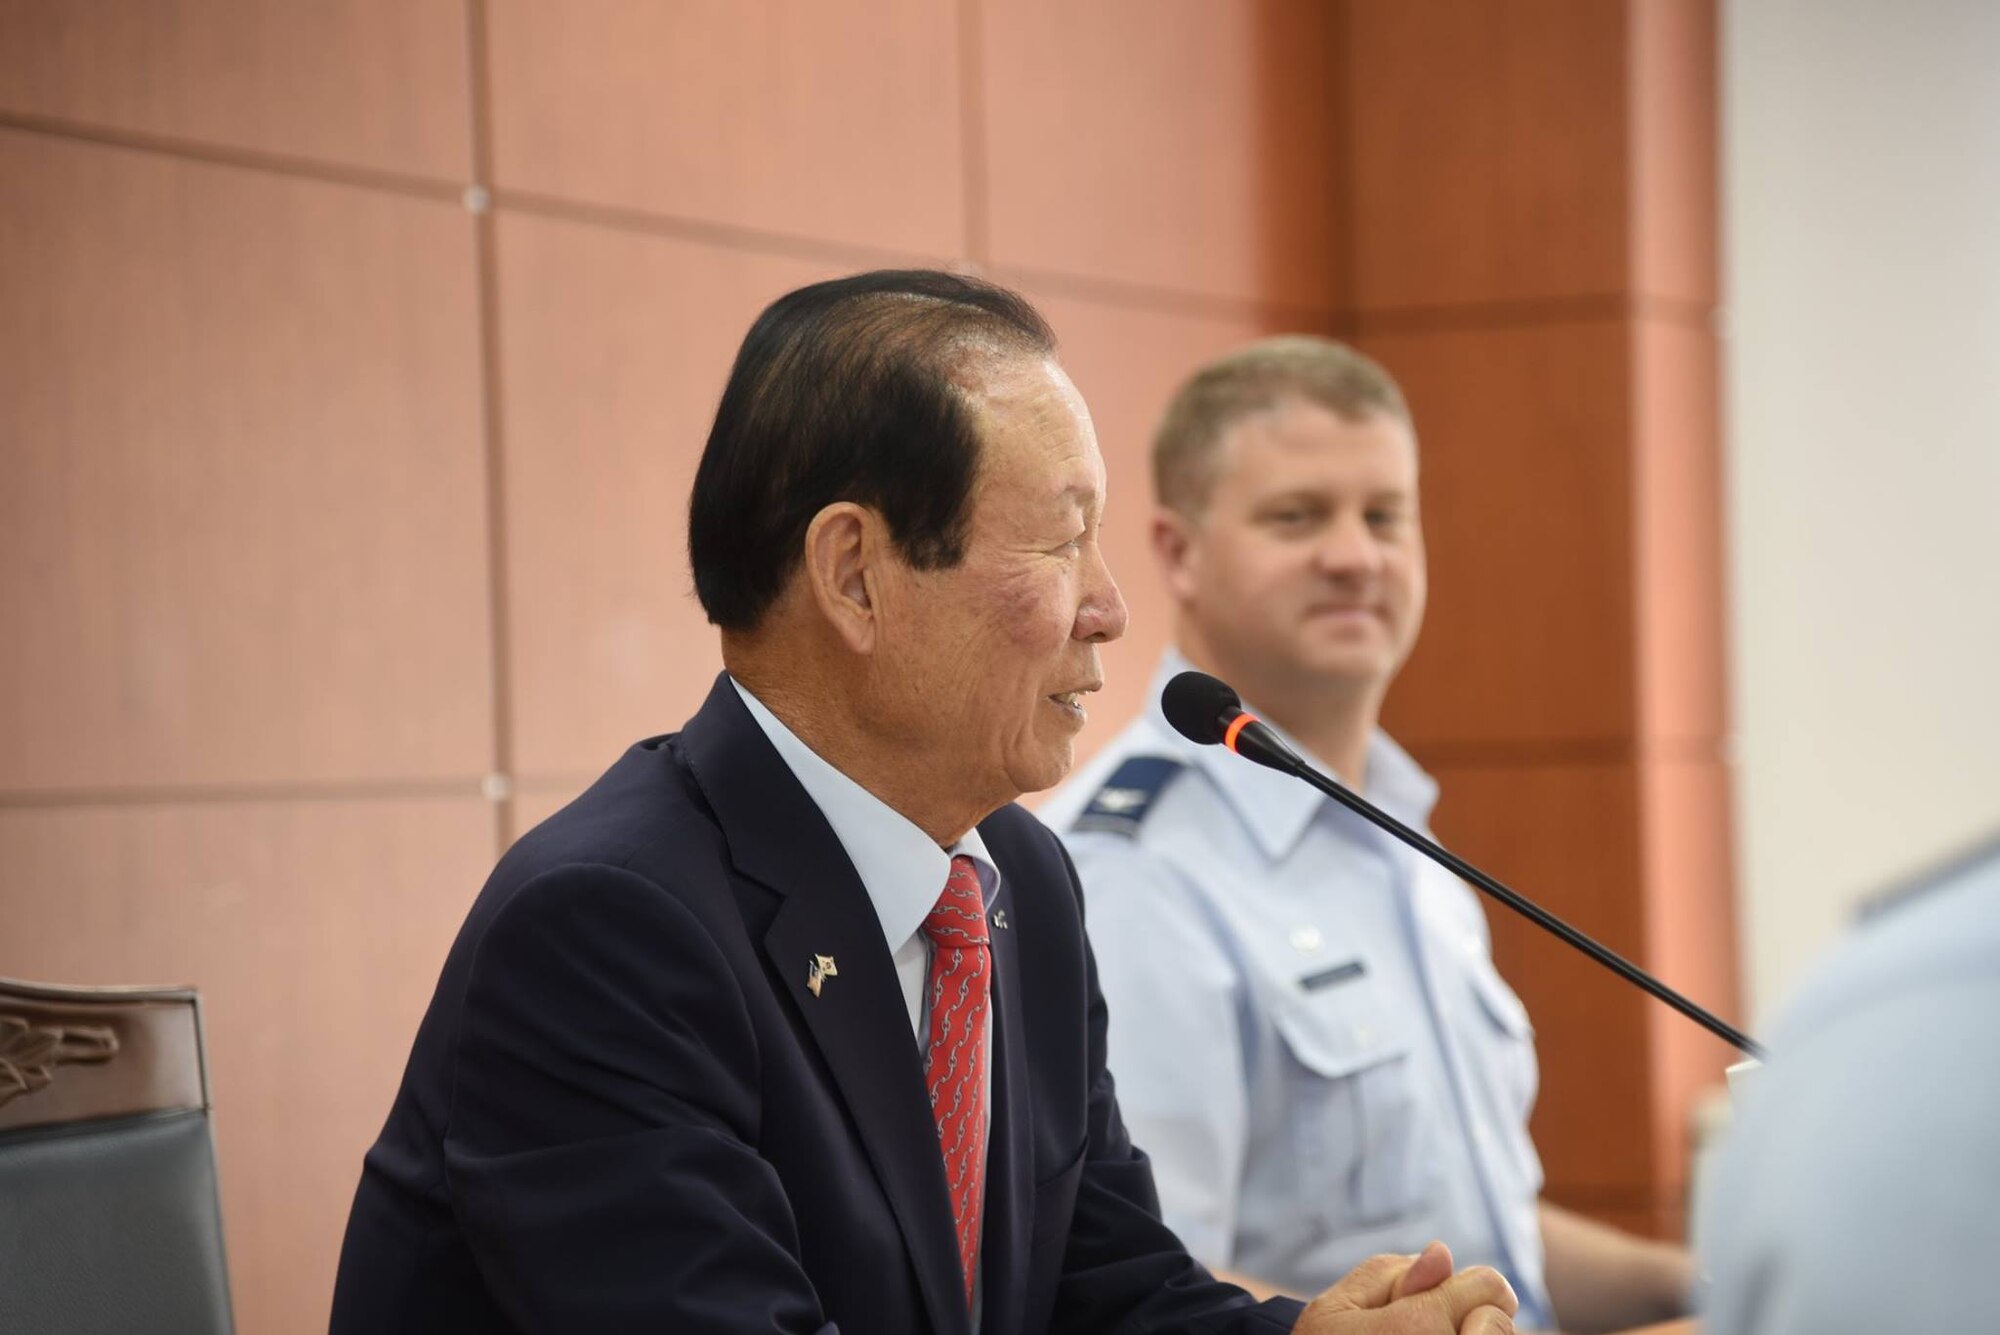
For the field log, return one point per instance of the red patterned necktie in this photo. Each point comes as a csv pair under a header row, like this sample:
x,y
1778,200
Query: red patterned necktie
x,y
961,979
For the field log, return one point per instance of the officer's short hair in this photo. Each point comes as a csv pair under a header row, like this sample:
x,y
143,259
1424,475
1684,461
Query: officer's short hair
x,y
850,390
1251,380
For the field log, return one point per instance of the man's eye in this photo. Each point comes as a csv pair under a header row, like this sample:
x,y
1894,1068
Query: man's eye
x,y
1070,548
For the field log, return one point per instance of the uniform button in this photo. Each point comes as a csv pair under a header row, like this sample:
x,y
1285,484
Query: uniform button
x,y
1305,939
1363,1034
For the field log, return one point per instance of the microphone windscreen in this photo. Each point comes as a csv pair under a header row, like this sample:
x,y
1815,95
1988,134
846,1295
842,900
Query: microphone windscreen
x,y
1199,707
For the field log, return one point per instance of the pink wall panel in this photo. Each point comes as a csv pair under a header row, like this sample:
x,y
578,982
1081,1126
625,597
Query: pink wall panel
x,y
1170,144
839,121
245,513
380,84
1678,537
1675,107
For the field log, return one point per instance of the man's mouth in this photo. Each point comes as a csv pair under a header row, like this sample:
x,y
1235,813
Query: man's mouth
x,y
1073,700
1346,610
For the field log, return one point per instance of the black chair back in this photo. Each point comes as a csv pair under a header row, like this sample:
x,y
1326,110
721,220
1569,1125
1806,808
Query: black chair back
x,y
109,1220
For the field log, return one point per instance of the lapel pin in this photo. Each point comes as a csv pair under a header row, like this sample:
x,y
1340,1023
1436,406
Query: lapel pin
x,y
1000,919
818,971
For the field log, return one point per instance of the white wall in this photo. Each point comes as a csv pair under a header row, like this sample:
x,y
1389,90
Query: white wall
x,y
1861,223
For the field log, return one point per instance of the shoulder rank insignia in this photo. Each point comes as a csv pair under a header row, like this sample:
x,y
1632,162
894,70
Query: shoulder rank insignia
x,y
1120,806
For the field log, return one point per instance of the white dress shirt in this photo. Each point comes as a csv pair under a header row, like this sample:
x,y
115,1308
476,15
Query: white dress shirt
x,y
902,869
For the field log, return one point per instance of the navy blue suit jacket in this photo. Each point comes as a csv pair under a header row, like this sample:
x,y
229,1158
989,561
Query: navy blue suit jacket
x,y
625,1111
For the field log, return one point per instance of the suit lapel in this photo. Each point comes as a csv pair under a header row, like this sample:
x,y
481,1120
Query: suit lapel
x,y
858,1019
1003,1246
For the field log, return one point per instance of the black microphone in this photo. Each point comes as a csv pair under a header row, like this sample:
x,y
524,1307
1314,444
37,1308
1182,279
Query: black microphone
x,y
1208,712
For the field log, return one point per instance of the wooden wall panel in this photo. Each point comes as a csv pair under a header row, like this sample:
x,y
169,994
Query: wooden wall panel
x,y
1677,535
315,931
1526,481
243,532
1691,944
615,348
1674,109
1167,143
1568,837
365,83
1490,150
840,121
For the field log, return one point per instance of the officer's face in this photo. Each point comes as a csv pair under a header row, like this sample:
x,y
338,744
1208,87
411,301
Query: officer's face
x,y
994,656
1307,568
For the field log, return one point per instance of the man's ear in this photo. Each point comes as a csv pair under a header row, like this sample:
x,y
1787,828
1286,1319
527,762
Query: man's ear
x,y
845,545
1176,550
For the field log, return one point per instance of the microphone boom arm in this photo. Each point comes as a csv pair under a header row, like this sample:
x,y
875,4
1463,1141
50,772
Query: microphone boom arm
x,y
1527,908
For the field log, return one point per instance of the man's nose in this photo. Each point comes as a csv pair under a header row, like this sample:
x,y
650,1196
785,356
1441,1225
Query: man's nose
x,y
1349,547
1102,615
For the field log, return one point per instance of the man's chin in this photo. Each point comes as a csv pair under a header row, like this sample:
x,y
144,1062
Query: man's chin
x,y
1040,773
1349,669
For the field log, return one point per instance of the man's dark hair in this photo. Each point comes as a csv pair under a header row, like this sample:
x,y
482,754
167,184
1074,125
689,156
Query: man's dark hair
x,y
850,390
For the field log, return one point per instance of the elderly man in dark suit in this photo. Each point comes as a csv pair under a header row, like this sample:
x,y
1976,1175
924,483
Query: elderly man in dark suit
x,y
789,1024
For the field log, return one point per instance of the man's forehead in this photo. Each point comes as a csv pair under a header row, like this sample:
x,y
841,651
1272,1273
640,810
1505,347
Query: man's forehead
x,y
1032,398
1301,436
994,378
1038,455
1298,417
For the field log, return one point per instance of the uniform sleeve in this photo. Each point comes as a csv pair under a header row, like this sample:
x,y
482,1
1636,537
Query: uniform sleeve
x,y
1175,1040
1855,1191
1123,1269
604,1110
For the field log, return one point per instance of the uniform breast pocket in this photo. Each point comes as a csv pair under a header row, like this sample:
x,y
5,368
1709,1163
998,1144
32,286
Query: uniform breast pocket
x,y
1507,1046
1354,1117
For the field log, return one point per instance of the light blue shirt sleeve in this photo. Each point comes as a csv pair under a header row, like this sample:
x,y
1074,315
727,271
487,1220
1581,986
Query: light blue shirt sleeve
x,y
1855,1191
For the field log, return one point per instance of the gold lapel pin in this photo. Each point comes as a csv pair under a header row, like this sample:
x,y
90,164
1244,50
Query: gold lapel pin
x,y
818,971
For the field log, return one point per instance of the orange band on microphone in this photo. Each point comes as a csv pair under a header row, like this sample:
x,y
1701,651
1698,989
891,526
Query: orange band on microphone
x,y
1237,725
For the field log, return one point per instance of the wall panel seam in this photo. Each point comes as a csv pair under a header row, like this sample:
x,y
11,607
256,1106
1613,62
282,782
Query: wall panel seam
x,y
1167,301
1585,308
702,231
470,785
493,438
277,164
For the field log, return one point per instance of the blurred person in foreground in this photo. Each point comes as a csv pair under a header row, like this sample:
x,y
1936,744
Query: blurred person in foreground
x,y
1310,1037
1868,1144
788,1024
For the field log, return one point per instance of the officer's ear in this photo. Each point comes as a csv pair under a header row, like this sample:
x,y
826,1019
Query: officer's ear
x,y
844,550
1175,549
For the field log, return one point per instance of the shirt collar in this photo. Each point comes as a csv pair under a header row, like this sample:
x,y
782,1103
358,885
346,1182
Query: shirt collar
x,y
1277,808
902,868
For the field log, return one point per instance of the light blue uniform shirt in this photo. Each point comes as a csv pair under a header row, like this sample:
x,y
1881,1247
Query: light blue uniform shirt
x,y
1856,1190
1306,1028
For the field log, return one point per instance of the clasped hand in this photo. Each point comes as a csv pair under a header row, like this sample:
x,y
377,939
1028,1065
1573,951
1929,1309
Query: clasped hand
x,y
1403,1295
